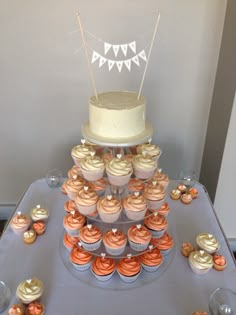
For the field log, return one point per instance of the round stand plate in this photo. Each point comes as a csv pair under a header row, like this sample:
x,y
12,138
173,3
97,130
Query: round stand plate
x,y
119,142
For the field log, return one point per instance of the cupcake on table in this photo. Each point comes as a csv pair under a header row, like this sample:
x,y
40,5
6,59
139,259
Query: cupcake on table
x,y
200,262
29,290
39,214
20,223
207,242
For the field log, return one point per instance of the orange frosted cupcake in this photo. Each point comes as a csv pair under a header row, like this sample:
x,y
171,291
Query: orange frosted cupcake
x,y
80,258
92,168
70,206
219,262
161,178
109,208
129,268
135,184
114,242
144,166
20,223
193,192
80,152
39,227
90,237
156,224
86,200
135,206
35,308
182,188
164,209
74,172
73,222
152,259
187,248
103,267
139,237
119,171
99,186
154,194
70,241
16,309
73,186
164,243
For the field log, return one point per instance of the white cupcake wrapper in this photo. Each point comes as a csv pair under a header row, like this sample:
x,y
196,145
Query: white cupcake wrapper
x,y
103,278
157,234
91,247
167,251
150,268
109,218
119,180
72,232
155,204
199,271
92,176
83,267
115,251
129,279
144,174
86,210
135,215
138,247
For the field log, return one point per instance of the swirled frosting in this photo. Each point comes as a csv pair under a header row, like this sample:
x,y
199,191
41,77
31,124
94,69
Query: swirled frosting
x,y
208,242
39,213
129,266
156,222
164,209
186,198
144,162
163,243
92,163
90,234
103,266
135,202
74,184
70,206
74,220
35,308
161,177
16,309
154,191
39,226
119,167
109,205
86,197
114,239
200,259
136,184
29,234
219,260
20,221
82,150
139,234
80,256
193,191
149,148
29,290
99,185
70,241
152,257
74,172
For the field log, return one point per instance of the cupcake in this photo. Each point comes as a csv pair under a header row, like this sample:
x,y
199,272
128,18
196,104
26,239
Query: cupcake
x,y
119,171
29,237
207,242
193,192
155,195
20,223
114,242
99,186
29,291
86,200
92,168
70,206
90,237
187,248
74,171
144,166
135,206
186,198
73,186
39,227
149,149
175,194
139,237
152,259
165,243
164,209
80,258
135,185
73,222
219,262
129,268
200,262
80,152
35,308
39,214
182,188
161,178
103,267
63,190
16,309
156,224
70,241
109,208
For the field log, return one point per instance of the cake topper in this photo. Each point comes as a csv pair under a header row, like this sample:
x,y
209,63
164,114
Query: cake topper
x,y
83,141
114,230
136,193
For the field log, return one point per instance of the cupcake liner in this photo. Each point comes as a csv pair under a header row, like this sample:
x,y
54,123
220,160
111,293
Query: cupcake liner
x,y
71,194
86,210
163,184
135,215
67,247
115,251
144,174
72,232
198,271
109,218
138,247
154,204
20,231
129,279
121,180
150,268
91,246
82,267
166,251
103,278
92,176
76,160
207,250
156,233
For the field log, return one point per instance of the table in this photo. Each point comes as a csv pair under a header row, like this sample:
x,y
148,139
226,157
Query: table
x,y
178,291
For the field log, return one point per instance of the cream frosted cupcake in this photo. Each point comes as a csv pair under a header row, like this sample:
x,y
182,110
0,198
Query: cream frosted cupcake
x,y
161,178
119,171
20,223
81,151
86,201
73,222
135,206
90,237
29,290
152,259
208,242
200,262
109,208
149,149
114,242
154,194
156,224
39,214
103,267
129,268
92,168
74,171
139,237
80,258
73,186
144,166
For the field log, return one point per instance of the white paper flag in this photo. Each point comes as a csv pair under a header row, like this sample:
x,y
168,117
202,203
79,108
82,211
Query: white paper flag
x,y
132,46
135,60
119,65
110,64
95,56
102,61
128,64
143,55
124,48
107,47
116,49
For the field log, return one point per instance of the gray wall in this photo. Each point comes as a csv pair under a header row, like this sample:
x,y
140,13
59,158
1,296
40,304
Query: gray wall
x,y
45,87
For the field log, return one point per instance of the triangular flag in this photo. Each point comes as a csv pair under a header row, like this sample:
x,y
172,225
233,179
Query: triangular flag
x,y
119,65
95,56
110,64
135,60
102,61
116,49
107,46
124,48
143,55
132,45
128,64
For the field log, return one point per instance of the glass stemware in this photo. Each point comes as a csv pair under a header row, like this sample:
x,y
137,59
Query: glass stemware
x,y
223,301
